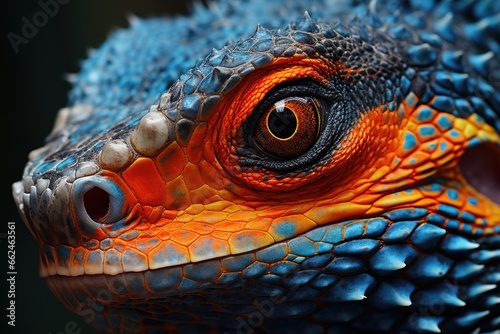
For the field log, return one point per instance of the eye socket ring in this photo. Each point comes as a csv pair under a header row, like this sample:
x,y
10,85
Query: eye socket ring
x,y
289,127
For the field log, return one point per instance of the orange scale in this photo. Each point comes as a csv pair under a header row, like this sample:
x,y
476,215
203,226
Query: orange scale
x,y
201,228
192,176
261,223
481,210
169,214
425,203
397,199
155,214
145,181
204,195
184,237
147,245
208,152
164,235
379,173
149,233
446,159
428,168
416,159
443,147
194,209
194,150
183,218
171,162
177,195
248,240
221,235
455,136
174,225
219,206
168,254
299,209
470,131
275,211
228,226
208,247
458,203
242,216
210,175
366,198
429,146
211,217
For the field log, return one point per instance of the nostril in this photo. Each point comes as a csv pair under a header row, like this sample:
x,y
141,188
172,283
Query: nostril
x,y
96,202
480,165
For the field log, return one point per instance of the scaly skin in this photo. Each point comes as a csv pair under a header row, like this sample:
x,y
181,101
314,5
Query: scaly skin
x,y
184,203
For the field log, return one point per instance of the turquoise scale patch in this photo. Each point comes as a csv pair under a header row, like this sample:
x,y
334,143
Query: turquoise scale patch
x,y
426,131
425,114
410,141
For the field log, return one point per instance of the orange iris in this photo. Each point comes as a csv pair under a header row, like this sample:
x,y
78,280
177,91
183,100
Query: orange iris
x,y
289,128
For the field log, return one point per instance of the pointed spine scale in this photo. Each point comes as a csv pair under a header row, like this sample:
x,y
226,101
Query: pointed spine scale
x,y
306,24
261,32
391,258
350,288
477,289
393,294
480,61
455,243
444,28
441,293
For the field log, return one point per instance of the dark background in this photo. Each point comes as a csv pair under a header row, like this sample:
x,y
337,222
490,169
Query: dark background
x,y
33,90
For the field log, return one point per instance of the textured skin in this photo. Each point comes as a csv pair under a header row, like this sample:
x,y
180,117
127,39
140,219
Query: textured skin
x,y
153,202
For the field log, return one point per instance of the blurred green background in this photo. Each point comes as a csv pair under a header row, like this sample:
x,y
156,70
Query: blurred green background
x,y
33,90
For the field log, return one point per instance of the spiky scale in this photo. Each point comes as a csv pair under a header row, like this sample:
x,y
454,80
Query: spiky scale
x,y
399,231
437,294
306,24
352,288
393,293
455,244
426,236
477,289
422,54
470,318
424,324
464,270
445,28
392,258
481,62
429,267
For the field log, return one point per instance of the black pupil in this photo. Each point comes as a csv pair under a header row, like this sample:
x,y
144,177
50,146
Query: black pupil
x,y
283,123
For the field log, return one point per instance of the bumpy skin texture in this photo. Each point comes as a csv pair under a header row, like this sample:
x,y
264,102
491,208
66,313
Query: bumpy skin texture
x,y
164,200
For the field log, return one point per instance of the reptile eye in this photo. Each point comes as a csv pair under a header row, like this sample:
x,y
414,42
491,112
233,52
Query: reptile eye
x,y
289,127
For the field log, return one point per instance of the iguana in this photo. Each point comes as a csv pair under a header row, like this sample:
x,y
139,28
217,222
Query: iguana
x,y
280,167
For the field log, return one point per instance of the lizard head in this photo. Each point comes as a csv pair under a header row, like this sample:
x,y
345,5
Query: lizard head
x,y
350,174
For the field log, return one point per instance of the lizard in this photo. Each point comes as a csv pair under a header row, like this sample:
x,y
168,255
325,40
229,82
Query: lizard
x,y
326,167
